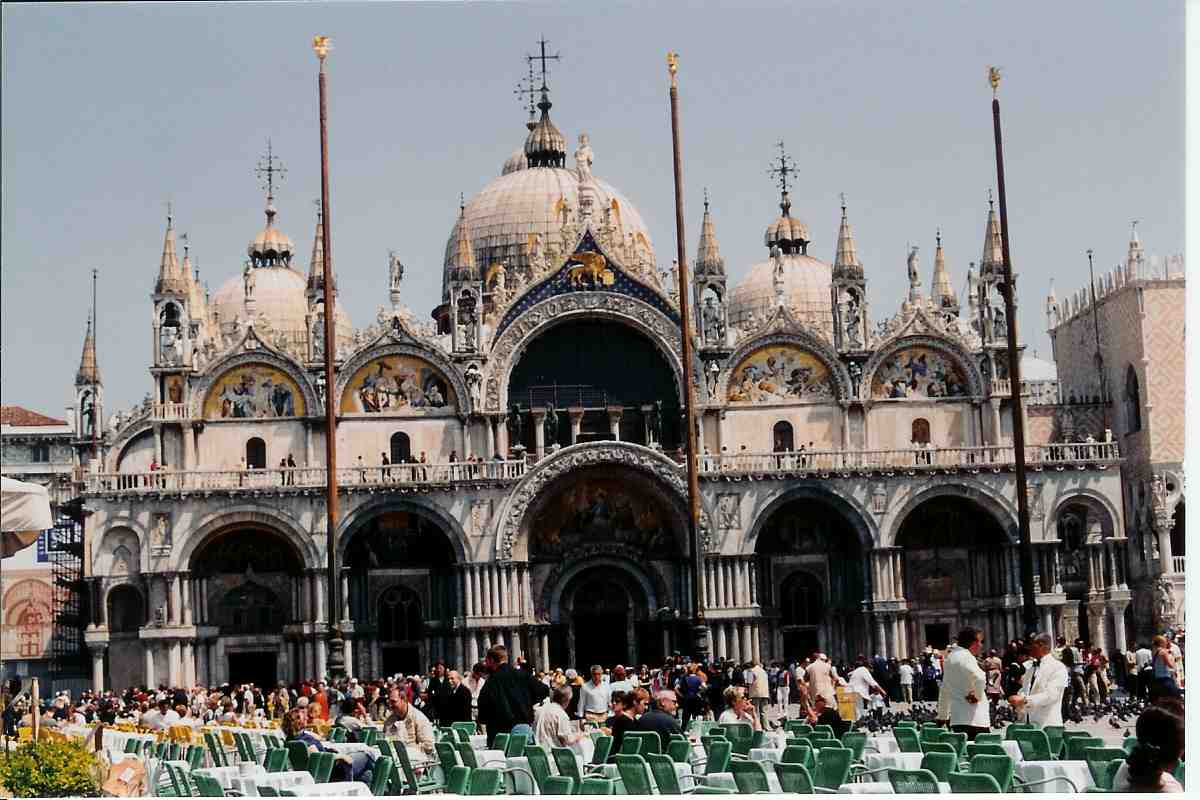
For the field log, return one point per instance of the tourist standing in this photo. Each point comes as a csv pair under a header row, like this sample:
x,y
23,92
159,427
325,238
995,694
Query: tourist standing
x,y
966,685
1043,686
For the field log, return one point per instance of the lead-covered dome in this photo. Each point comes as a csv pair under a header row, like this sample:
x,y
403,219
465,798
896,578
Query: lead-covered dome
x,y
806,287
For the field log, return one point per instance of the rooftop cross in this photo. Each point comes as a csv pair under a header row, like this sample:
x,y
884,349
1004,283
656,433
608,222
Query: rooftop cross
x,y
268,167
786,167
526,87
542,58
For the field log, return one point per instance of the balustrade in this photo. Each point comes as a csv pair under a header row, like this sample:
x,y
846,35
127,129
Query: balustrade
x,y
1177,564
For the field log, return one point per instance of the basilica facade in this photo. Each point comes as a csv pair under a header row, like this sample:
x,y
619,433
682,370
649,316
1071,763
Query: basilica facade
x,y
510,466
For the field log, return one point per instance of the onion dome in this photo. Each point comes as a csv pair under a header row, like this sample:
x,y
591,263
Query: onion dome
x,y
708,254
170,278
271,247
545,146
789,233
89,372
846,265
516,161
940,289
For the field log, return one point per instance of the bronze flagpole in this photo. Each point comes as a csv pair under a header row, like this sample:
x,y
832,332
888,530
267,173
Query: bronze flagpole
x,y
334,664
1008,290
699,629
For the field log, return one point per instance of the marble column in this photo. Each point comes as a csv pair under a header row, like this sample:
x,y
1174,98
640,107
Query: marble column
x,y
148,655
752,567
472,650
185,592
544,647
514,644
739,584
747,643
189,664
897,573
897,639
173,663
494,581
614,422
881,635
348,650
489,425
539,432
319,644
722,647
465,437
174,607
502,436
1118,618
1048,620
471,575
575,414
346,602
319,591
158,443
98,666
756,642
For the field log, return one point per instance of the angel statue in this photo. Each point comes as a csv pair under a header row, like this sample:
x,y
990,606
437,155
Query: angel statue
x,y
395,271
248,280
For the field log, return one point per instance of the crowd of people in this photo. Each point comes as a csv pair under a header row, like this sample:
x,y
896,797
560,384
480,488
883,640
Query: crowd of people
x,y
964,687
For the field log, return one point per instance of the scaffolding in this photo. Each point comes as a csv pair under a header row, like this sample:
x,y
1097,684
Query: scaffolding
x,y
68,656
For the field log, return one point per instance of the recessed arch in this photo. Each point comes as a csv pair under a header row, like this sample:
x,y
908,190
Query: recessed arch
x,y
847,507
927,362
255,384
125,608
827,378
251,517
361,518
998,507
410,372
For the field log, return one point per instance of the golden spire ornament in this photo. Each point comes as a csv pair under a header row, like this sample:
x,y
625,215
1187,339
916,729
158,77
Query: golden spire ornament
x,y
994,79
672,65
321,47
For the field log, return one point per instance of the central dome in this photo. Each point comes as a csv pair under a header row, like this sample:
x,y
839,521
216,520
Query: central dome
x,y
527,201
806,282
279,297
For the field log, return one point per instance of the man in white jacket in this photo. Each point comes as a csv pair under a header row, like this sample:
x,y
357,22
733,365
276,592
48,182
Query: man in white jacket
x,y
964,685
1043,685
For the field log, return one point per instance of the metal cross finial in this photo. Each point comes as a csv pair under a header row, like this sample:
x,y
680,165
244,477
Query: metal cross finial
x,y
170,211
184,238
542,58
526,87
1133,226
939,235
989,198
269,166
786,167
320,214
706,198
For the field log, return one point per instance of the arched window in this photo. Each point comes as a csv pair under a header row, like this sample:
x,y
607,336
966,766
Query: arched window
x,y
250,608
781,437
399,615
256,454
920,431
802,600
125,611
1133,402
400,447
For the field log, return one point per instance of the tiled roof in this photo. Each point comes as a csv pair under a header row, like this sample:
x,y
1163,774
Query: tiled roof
x,y
23,417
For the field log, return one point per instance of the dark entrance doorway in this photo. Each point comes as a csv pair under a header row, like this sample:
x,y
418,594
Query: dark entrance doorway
x,y
600,620
800,643
937,635
259,667
403,658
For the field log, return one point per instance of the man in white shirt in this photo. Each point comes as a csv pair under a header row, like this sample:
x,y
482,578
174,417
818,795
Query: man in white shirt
x,y
863,682
964,684
1043,685
551,725
906,681
594,697
619,682
1144,660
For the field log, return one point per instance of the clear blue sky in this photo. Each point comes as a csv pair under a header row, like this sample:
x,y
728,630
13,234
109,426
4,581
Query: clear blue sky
x,y
108,110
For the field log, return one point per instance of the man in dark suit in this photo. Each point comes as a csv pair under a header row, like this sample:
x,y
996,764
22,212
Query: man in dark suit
x,y
458,703
508,696
661,719
439,694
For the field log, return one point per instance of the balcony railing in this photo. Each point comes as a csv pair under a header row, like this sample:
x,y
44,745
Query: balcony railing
x,y
169,411
397,475
929,458
1177,564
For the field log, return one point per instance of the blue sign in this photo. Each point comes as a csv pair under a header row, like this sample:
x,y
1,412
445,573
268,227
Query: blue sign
x,y
43,549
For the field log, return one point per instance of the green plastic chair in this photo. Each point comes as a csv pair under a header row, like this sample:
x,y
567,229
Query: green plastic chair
x,y
714,790
467,729
757,738
989,738
195,756
207,786
216,750
794,778
1074,747
913,781
750,777
1098,760
972,783
630,745
1035,745
603,747
679,750
940,764
706,741
500,742
133,745
276,760
905,723
268,791
1012,730
297,754
595,785
1000,767
957,740
1055,734
369,736
179,781
320,766
414,784
337,734
740,735
381,775
857,742
799,754
539,767
986,748
833,767
564,761
483,781
720,751
651,743
794,726
823,728
516,745
287,793
938,747
456,780
635,774
446,756
908,740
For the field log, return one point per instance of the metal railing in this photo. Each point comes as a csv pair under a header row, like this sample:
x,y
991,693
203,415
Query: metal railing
x,y
167,480
1048,455
1177,564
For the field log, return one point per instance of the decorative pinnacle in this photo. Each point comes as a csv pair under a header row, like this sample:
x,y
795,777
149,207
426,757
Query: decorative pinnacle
x,y
994,79
320,212
170,212
270,166
673,66
990,201
184,238
939,236
321,48
542,58
706,198
843,196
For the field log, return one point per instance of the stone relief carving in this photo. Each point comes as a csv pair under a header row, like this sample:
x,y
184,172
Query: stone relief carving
x,y
879,498
160,535
481,512
729,512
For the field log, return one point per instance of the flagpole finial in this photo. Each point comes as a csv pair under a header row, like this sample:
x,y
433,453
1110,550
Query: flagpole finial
x,y
321,47
672,65
994,79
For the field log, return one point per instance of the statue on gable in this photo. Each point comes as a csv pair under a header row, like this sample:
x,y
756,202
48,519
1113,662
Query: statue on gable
x,y
714,323
537,254
777,276
914,266
248,279
853,323
583,158
395,272
474,378
855,370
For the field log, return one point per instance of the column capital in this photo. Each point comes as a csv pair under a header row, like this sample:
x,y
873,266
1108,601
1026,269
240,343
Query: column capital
x,y
97,649
574,412
615,412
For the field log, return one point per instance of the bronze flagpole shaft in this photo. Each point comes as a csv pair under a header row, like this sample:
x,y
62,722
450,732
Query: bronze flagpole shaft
x,y
1028,603
699,630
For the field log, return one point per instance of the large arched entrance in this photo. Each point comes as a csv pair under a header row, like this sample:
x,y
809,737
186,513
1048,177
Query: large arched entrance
x,y
611,373
403,597
252,585
809,560
606,545
958,570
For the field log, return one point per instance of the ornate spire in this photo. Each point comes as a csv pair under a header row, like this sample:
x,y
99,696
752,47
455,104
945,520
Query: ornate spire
x,y
545,145
316,262
972,287
846,264
940,289
1135,258
708,253
272,247
89,371
463,268
788,233
195,292
993,247
170,279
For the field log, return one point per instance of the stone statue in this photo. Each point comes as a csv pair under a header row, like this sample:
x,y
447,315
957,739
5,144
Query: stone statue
x,y
474,378
550,425
466,316
500,285
714,374
583,158
248,280
714,325
656,423
537,254
318,337
852,323
395,272
114,422
89,416
777,276
855,370
160,616
1158,488
515,426
1164,600
999,325
914,267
